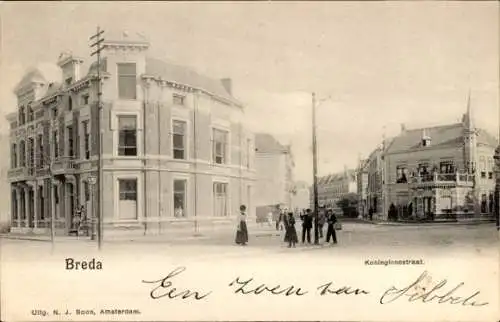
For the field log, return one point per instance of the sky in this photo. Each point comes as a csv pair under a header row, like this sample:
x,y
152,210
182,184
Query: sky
x,y
379,64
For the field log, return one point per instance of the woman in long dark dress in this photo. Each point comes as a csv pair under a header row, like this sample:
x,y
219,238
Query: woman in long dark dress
x,y
285,224
291,232
242,231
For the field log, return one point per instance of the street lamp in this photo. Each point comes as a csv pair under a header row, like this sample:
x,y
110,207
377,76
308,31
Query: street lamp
x,y
92,181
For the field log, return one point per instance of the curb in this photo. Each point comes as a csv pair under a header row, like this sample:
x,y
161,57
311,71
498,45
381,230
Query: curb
x,y
125,239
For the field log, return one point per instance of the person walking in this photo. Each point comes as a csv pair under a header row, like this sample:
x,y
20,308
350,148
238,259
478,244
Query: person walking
x,y
330,233
241,229
285,224
307,219
291,232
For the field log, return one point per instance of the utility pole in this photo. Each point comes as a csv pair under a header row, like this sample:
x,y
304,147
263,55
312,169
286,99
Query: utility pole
x,y
315,171
97,51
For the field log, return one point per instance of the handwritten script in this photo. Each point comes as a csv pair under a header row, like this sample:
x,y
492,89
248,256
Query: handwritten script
x,y
415,291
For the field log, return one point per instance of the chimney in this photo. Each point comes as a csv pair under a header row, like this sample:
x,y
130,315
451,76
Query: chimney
x,y
403,127
228,85
70,66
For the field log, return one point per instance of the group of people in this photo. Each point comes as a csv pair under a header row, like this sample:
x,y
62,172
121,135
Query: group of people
x,y
286,221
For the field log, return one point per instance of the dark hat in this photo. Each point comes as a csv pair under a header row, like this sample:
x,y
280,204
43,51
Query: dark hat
x,y
243,208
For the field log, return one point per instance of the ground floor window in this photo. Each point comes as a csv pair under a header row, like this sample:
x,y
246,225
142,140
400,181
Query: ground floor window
x,y
128,198
221,208
484,204
180,197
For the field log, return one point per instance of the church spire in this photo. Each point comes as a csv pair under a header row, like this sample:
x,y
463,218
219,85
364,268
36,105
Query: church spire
x,y
469,116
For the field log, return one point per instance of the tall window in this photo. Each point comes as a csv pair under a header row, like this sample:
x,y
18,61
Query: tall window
x,y
30,113
86,140
447,167
22,115
70,104
127,80
219,146
220,199
41,155
31,152
22,153
54,112
13,159
401,174
180,198
424,171
55,139
127,135
128,198
69,131
179,140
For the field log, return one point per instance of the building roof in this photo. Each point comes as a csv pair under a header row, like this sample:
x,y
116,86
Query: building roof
x,y
186,76
266,143
444,136
336,176
41,73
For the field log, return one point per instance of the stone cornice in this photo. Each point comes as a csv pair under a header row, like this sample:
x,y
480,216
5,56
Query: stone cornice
x,y
191,89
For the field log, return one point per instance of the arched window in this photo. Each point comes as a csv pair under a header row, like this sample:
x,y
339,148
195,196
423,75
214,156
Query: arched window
x,y
22,115
70,104
22,154
30,113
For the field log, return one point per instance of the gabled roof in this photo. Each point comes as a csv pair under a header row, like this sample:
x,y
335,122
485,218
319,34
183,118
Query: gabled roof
x,y
186,76
266,143
450,135
440,135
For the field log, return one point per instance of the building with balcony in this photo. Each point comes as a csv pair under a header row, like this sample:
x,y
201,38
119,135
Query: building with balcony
x,y
334,187
274,166
442,172
174,144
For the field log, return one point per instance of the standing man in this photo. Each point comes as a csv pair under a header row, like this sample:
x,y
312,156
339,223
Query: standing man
x,y
307,220
330,233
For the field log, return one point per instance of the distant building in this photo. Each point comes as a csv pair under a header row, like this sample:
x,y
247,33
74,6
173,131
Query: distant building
x,y
441,172
274,170
175,148
333,187
362,187
370,183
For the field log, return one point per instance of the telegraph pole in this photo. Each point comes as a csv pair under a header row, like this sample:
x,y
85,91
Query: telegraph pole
x,y
315,171
98,48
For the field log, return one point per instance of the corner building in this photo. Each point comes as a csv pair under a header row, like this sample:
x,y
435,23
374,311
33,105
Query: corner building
x,y
174,144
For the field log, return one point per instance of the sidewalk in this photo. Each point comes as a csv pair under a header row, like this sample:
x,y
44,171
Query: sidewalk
x,y
173,234
463,222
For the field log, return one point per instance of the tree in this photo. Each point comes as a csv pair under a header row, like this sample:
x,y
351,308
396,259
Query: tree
x,y
349,205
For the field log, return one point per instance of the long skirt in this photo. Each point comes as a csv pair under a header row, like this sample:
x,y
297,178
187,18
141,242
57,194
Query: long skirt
x,y
291,235
242,234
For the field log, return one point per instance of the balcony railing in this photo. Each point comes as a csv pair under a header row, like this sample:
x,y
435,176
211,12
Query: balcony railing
x,y
63,164
21,172
443,178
